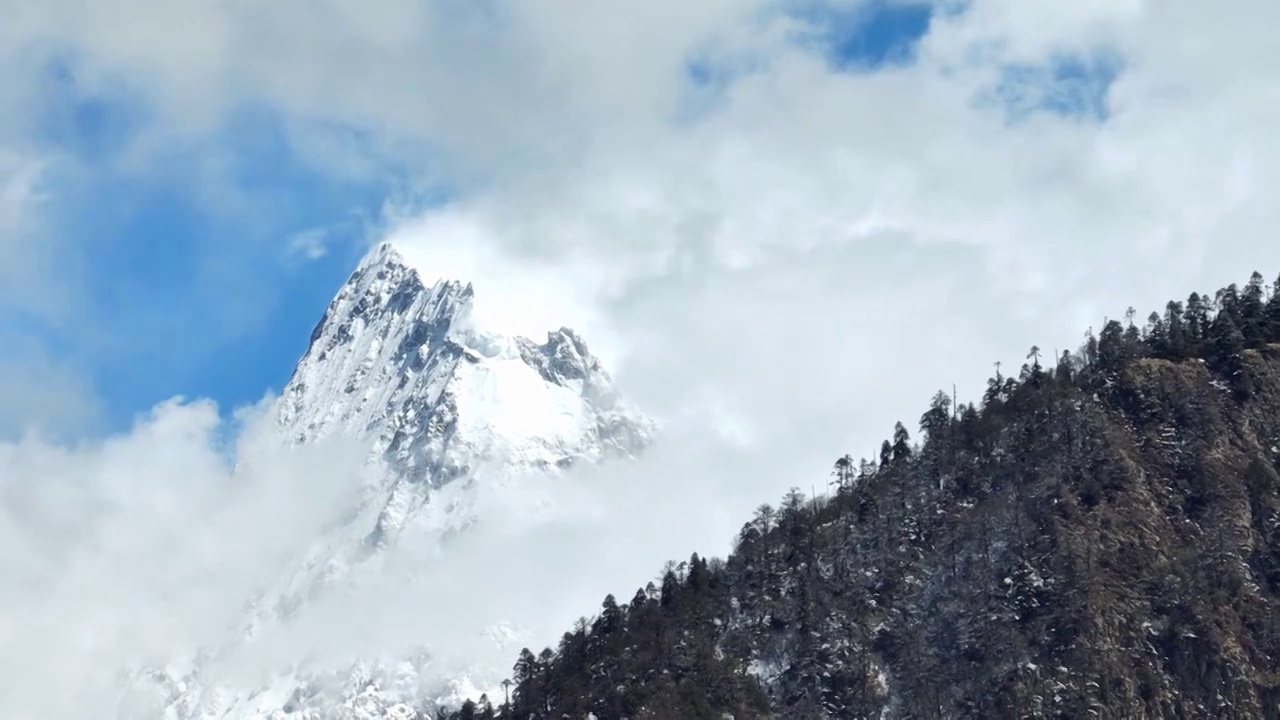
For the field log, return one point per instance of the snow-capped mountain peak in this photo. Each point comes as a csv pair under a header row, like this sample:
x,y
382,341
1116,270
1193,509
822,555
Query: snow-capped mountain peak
x,y
447,409
383,325
402,364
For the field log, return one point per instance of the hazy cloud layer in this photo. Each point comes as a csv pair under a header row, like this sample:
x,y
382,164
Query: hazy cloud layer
x,y
132,548
777,261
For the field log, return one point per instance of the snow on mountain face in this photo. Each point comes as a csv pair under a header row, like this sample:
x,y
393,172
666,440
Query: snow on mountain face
x,y
401,363
444,406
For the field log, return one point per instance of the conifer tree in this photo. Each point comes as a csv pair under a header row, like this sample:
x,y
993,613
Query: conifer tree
x,y
1157,335
1197,318
1227,300
901,443
843,472
1090,349
1112,346
938,417
1272,314
1225,340
1175,330
1252,315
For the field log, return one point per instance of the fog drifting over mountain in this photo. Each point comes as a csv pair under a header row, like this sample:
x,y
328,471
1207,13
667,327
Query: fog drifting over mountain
x,y
776,256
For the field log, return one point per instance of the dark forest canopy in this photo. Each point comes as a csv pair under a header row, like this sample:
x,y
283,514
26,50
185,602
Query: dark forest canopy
x,y
1099,536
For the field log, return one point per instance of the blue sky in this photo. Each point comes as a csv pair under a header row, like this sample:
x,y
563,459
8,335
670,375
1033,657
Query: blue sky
x,y
871,36
192,285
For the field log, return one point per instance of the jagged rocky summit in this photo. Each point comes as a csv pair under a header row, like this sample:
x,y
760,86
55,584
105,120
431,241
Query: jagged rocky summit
x,y
445,407
403,365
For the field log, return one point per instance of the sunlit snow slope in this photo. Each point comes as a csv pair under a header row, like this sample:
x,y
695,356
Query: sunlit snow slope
x,y
445,408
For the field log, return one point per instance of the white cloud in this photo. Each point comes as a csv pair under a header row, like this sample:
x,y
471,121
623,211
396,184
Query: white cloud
x,y
812,257
543,553
811,180
143,544
28,256
309,244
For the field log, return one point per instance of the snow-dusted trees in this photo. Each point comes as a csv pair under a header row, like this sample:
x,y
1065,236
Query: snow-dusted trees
x,y
1068,546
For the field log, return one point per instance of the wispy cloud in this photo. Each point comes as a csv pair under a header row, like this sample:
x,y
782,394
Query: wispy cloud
x,y
309,244
127,549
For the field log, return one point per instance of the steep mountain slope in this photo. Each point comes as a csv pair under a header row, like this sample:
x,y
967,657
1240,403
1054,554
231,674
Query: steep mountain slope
x,y
402,365
446,409
1097,539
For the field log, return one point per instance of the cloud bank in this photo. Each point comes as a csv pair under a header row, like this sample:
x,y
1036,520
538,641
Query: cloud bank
x,y
125,550
778,250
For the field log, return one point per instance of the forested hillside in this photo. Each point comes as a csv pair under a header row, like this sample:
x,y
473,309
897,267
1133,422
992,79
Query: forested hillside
x,y
1098,537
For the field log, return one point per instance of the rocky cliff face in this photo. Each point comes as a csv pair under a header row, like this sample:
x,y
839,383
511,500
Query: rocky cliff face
x,y
445,409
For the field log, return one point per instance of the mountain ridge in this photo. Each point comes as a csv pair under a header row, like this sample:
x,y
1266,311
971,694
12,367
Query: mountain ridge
x,y
445,409
1099,538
